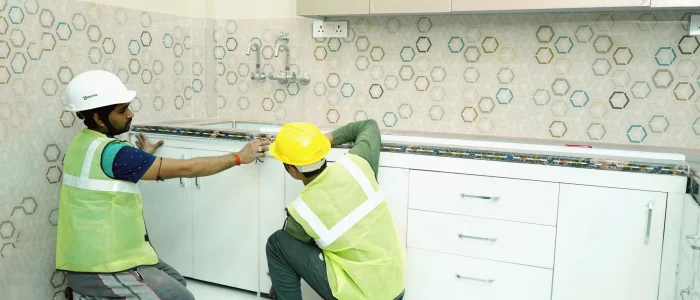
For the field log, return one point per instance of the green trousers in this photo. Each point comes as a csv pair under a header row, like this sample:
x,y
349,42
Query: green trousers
x,y
289,260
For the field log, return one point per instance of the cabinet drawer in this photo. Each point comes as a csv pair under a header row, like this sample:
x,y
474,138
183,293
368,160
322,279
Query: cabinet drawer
x,y
431,275
505,241
495,198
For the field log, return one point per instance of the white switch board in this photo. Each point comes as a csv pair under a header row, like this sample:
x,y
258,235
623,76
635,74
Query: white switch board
x,y
330,29
694,26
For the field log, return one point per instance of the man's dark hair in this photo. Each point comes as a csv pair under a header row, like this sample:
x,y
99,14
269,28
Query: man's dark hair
x,y
103,112
308,174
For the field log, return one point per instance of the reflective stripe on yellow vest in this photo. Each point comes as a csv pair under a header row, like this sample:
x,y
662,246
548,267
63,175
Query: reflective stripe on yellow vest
x,y
344,210
100,221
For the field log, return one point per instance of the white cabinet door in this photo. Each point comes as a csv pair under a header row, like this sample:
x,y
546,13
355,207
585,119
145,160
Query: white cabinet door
x,y
272,176
495,5
226,225
167,210
394,184
675,3
409,6
608,244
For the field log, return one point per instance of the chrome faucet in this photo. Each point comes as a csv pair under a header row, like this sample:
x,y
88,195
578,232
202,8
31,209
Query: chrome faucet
x,y
258,75
287,76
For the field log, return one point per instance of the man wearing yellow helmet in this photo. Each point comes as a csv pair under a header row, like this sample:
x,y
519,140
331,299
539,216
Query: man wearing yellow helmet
x,y
356,251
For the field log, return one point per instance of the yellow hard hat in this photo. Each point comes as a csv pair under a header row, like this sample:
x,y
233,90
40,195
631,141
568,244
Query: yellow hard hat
x,y
300,144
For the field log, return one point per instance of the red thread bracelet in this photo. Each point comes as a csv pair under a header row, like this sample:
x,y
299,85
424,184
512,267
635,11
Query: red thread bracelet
x,y
238,159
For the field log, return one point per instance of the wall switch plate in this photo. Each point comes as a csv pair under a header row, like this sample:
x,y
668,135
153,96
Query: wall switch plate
x,y
329,29
694,25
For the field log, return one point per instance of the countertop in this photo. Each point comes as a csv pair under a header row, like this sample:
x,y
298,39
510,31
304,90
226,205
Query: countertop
x,y
619,157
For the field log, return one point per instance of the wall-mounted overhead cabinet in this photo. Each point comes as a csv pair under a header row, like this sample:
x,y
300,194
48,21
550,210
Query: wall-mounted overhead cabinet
x,y
331,8
675,3
409,6
508,5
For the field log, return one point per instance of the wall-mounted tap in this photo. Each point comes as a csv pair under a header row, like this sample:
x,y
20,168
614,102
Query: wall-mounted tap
x,y
258,75
287,76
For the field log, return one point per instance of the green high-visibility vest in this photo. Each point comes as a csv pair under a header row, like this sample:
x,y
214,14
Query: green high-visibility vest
x,y
100,221
344,211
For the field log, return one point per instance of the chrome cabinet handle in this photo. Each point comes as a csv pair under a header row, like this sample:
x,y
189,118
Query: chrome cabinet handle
x,y
650,207
688,292
196,182
488,280
463,195
690,239
182,183
463,236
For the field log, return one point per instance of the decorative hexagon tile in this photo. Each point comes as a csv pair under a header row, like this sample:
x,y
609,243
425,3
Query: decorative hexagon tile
x,y
601,67
636,134
559,108
684,91
543,55
376,91
406,73
662,79
561,87
471,75
407,54
472,54
541,97
544,34
422,83
456,44
619,100
486,105
391,82
603,44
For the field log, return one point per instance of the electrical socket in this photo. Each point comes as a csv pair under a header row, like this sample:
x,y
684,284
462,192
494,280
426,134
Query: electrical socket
x,y
329,29
694,25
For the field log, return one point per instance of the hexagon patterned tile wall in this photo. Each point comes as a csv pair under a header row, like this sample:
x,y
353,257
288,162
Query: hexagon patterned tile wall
x,y
622,77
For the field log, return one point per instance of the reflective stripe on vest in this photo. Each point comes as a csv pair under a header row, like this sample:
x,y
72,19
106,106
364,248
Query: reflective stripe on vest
x,y
85,183
326,237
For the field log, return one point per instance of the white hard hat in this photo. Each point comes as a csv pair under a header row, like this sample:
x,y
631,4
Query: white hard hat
x,y
96,88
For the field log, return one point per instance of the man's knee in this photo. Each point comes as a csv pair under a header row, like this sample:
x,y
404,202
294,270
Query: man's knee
x,y
273,241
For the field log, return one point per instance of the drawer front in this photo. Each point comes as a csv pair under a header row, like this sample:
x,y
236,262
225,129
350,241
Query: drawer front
x,y
689,227
505,241
431,275
478,196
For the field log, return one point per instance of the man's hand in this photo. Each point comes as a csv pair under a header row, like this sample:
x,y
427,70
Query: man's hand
x,y
253,150
143,144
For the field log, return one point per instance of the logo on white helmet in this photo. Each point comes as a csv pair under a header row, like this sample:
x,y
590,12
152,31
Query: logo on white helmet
x,y
88,97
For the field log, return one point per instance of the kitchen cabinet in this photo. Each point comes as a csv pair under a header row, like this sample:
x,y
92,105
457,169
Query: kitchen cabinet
x,y
330,8
225,210
409,6
508,5
167,211
608,244
272,179
675,3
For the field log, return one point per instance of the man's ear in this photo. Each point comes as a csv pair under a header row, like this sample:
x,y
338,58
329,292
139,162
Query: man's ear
x,y
97,119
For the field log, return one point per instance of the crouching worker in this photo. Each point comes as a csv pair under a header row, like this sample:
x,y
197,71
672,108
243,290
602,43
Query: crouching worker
x,y
340,236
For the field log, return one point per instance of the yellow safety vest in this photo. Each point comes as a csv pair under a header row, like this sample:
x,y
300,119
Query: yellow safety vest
x,y
344,211
100,221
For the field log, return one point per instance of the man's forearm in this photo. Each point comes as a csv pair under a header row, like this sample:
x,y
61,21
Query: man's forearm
x,y
205,166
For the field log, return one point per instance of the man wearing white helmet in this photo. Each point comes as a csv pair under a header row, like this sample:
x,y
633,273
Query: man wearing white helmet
x,y
102,242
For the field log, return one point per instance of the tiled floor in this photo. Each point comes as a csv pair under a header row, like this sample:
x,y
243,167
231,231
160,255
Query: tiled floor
x,y
206,291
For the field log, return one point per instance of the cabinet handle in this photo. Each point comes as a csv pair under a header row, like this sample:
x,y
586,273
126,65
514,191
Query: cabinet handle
x,y
463,195
196,182
489,280
688,292
182,183
476,237
690,239
650,207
